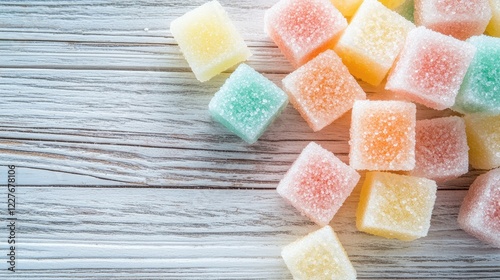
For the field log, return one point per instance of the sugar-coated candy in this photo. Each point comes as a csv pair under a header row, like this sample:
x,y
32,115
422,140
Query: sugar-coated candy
x,y
322,90
382,135
318,183
392,4
493,27
480,211
483,137
441,150
318,255
480,90
247,103
371,42
430,68
458,18
347,7
303,28
406,10
209,40
396,206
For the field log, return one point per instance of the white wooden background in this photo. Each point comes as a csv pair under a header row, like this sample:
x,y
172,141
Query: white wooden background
x,y
123,175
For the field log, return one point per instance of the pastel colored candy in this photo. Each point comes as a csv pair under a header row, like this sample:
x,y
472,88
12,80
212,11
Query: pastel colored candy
x,y
209,40
347,7
322,90
392,4
371,42
480,90
396,206
382,135
480,211
493,28
441,150
247,103
407,10
483,137
319,255
318,183
303,28
458,18
430,68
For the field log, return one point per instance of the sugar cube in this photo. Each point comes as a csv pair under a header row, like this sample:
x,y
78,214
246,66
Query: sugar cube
x,y
303,28
430,68
371,42
480,90
318,183
247,103
483,137
441,150
480,211
458,18
383,135
347,7
209,40
322,90
493,27
396,206
318,255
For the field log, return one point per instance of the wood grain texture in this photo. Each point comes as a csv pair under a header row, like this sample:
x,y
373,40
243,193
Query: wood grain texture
x,y
96,94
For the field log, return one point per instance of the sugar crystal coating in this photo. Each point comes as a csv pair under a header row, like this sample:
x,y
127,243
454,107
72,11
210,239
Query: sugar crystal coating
x,y
483,137
458,18
493,28
396,206
322,90
480,211
347,7
382,135
209,40
371,42
247,103
430,68
318,183
441,150
303,28
318,255
480,90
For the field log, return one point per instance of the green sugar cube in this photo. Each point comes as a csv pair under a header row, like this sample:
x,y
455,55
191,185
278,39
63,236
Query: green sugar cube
x,y
480,90
247,103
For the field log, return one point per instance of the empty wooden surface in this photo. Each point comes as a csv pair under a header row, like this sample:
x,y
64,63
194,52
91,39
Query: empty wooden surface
x,y
122,174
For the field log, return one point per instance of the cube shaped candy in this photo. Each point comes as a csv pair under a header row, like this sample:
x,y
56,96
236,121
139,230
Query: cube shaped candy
x,y
383,135
247,103
480,90
480,211
209,40
318,183
319,255
441,150
303,28
322,90
372,41
396,206
406,10
392,4
493,27
430,68
347,7
458,18
483,137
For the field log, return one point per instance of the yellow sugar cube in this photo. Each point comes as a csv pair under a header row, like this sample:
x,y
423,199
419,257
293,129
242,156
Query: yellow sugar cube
x,y
372,41
209,40
483,137
396,206
319,255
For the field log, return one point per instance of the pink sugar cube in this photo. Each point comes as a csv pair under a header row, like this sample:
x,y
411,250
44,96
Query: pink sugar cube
x,y
304,28
431,68
458,18
441,150
322,90
382,135
318,183
480,211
